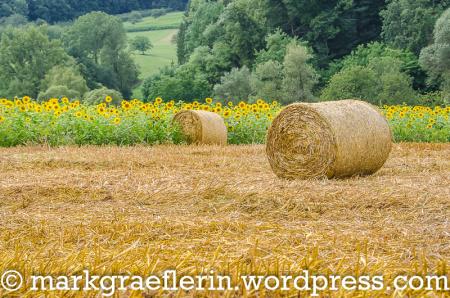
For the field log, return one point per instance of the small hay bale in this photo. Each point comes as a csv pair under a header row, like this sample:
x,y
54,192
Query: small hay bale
x,y
202,127
333,139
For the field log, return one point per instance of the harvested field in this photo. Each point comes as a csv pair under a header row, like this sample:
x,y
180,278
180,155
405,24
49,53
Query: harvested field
x,y
142,210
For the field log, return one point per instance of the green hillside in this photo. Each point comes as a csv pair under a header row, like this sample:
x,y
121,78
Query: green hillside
x,y
164,49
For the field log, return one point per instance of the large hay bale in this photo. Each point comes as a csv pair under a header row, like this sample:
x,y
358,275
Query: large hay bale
x,y
333,139
202,127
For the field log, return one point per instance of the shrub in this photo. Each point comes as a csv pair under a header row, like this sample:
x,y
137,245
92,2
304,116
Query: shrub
x,y
234,86
380,82
70,77
58,92
437,98
354,82
183,83
98,95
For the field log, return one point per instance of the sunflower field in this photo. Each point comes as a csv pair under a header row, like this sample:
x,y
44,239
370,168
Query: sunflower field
x,y
56,122
419,124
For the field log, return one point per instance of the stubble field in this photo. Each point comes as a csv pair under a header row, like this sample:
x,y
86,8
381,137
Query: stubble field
x,y
143,210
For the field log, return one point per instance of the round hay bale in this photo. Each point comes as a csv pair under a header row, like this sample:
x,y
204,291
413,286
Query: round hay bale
x,y
333,139
202,127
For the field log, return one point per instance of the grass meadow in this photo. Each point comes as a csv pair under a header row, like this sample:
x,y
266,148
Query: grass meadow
x,y
163,53
164,50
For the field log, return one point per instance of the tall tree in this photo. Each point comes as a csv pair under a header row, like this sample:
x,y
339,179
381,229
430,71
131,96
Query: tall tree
x,y
408,24
240,32
141,44
99,42
11,7
299,76
435,59
26,56
202,14
267,80
332,28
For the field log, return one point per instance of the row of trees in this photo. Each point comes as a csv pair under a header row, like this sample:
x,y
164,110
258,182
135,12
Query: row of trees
x,y
92,53
382,51
53,11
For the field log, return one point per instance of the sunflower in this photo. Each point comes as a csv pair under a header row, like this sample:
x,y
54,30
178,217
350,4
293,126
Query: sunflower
x,y
2,119
116,120
126,105
108,99
144,108
101,110
65,100
209,100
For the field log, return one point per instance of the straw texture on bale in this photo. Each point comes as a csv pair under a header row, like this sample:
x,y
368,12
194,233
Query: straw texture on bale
x,y
333,139
202,127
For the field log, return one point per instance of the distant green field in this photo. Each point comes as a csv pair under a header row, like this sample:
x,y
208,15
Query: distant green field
x,y
171,20
164,50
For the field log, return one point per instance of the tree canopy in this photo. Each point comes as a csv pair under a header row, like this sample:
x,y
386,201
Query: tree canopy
x,y
435,59
53,11
26,57
98,41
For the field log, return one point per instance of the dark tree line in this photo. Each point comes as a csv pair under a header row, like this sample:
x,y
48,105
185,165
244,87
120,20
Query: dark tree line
x,y
53,11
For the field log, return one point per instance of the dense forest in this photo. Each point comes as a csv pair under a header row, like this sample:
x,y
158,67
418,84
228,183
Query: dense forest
x,y
386,52
53,11
296,50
